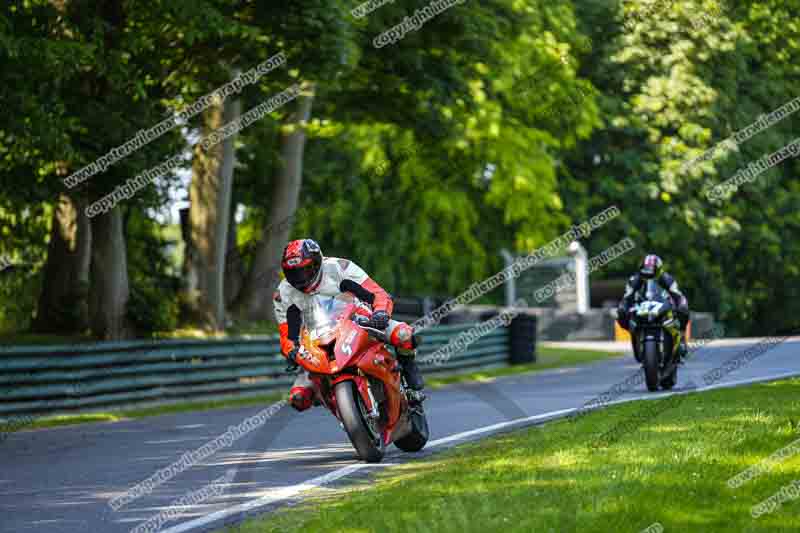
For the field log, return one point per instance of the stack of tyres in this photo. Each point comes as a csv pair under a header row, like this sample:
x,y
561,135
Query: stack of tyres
x,y
522,339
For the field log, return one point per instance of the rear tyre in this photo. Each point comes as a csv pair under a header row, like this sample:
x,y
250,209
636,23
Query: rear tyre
x,y
651,365
418,438
365,437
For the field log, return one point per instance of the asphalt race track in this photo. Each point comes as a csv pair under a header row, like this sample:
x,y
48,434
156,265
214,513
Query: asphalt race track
x,y
60,480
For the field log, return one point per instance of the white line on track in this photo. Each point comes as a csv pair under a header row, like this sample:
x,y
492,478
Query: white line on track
x,y
286,493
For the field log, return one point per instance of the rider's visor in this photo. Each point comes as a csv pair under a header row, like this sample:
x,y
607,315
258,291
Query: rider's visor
x,y
648,271
302,276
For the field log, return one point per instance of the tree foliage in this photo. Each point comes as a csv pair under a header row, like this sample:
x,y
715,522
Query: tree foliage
x,y
496,124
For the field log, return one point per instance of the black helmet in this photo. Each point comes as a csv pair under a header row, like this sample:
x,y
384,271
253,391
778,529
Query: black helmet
x,y
302,264
651,267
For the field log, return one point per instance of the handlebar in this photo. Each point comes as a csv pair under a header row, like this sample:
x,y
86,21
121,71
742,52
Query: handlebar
x,y
366,323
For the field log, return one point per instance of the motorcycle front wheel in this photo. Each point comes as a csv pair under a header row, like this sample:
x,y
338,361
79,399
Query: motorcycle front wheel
x,y
651,365
669,381
365,436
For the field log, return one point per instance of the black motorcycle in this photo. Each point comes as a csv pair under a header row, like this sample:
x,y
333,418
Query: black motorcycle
x,y
656,336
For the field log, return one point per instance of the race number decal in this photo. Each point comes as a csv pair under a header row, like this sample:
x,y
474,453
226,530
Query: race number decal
x,y
348,348
649,307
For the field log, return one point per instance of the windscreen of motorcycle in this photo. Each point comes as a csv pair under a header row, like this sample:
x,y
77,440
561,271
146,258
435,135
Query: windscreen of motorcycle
x,y
324,313
655,292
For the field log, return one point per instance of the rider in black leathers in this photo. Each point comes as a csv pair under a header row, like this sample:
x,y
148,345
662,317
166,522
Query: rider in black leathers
x,y
653,268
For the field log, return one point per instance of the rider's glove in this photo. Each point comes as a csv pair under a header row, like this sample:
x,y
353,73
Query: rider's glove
x,y
291,357
380,320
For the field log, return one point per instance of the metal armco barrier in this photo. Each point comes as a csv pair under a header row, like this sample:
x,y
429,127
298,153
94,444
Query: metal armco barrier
x,y
56,379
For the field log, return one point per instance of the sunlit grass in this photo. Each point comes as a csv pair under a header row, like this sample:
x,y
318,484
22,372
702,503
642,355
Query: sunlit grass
x,y
127,414
27,339
547,358
243,329
64,420
671,470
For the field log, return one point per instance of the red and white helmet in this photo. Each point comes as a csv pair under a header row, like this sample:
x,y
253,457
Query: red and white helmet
x,y
302,264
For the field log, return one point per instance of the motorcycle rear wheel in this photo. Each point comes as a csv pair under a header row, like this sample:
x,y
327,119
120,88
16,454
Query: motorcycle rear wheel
x,y
367,442
651,365
418,438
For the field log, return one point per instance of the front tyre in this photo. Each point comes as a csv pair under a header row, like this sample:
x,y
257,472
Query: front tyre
x,y
651,365
671,379
365,437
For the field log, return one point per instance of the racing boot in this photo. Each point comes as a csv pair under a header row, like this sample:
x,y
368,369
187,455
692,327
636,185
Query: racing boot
x,y
683,351
301,397
408,363
635,347
405,343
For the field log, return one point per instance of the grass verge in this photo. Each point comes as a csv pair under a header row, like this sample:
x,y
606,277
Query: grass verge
x,y
193,333
668,473
128,414
547,358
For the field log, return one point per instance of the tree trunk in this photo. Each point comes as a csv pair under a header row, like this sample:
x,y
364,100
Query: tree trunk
x,y
209,215
189,274
109,293
233,110
63,307
234,263
255,298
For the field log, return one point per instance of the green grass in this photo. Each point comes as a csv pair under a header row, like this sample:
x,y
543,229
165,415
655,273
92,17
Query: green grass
x,y
21,424
547,358
25,339
238,329
186,332
671,469
128,414
204,406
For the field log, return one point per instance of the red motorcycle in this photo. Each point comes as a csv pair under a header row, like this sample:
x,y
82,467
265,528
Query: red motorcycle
x,y
359,380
